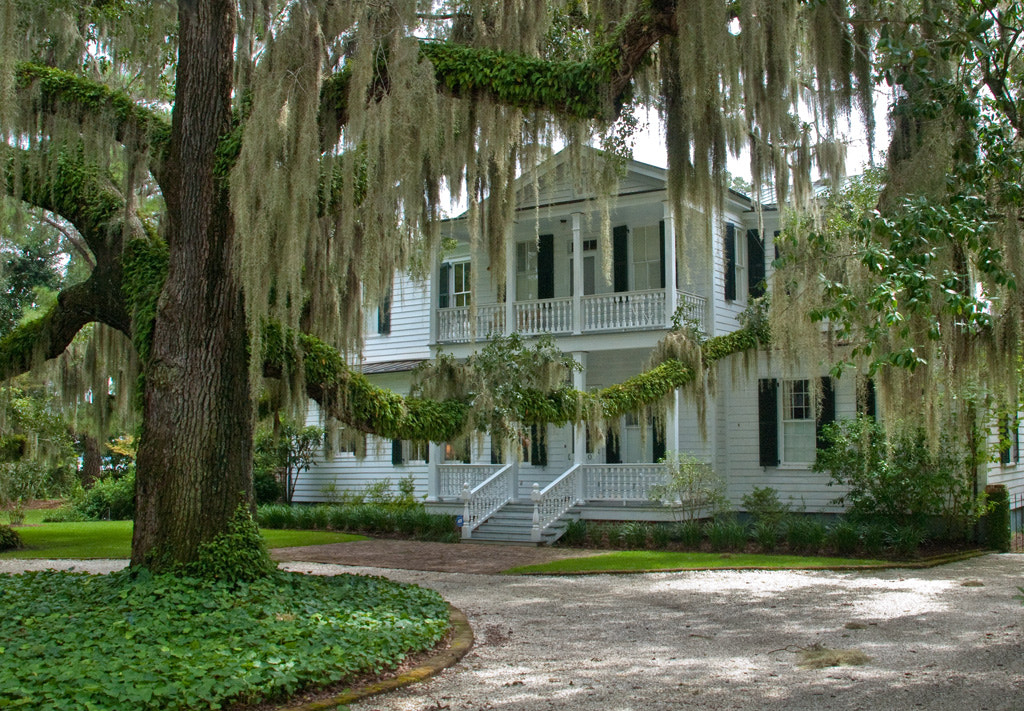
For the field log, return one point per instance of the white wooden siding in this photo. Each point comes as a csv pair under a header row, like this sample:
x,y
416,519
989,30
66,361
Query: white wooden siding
x,y
410,324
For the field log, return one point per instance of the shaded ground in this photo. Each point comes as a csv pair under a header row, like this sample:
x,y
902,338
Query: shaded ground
x,y
944,639
420,555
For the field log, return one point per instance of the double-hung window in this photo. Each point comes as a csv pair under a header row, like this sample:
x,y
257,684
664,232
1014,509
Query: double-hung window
x,y
798,425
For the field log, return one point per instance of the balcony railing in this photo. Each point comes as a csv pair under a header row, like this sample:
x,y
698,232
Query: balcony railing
x,y
621,311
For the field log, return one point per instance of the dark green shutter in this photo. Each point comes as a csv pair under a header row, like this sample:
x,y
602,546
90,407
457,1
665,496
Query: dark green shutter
x,y
661,245
827,414
620,258
612,455
866,400
442,300
729,255
384,315
1004,440
755,264
768,421
538,447
396,452
658,444
546,267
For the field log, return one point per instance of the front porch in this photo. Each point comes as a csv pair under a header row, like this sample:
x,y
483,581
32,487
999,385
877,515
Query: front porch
x,y
531,512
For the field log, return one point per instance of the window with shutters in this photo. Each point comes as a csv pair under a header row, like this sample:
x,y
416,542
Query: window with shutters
x,y
1009,433
798,431
735,263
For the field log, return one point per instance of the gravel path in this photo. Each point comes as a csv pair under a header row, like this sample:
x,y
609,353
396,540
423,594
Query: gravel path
x,y
946,638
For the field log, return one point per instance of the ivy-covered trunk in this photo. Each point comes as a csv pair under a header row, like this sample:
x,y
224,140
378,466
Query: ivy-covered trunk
x,y
194,464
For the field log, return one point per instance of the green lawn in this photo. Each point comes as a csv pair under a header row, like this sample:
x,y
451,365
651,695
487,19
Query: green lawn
x,y
113,539
645,561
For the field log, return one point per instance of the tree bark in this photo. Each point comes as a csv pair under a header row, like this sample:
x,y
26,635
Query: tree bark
x,y
195,454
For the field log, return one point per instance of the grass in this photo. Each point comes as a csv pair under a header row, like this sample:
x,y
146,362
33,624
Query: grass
x,y
113,539
646,561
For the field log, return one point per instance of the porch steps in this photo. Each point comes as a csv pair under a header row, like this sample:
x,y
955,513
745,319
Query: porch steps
x,y
513,525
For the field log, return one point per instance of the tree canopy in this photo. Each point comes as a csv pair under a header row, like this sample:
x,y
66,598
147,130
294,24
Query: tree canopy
x,y
244,173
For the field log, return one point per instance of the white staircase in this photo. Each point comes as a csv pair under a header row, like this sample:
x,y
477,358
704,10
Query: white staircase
x,y
513,525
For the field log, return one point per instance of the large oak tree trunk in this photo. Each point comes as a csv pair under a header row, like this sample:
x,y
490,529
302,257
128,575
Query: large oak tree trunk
x,y
194,463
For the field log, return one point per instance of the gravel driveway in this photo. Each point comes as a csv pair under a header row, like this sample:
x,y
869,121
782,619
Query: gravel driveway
x,y
944,638
950,637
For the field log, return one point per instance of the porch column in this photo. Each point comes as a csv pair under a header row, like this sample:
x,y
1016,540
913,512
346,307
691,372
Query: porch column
x,y
670,267
579,430
672,422
510,285
512,457
577,272
433,475
433,277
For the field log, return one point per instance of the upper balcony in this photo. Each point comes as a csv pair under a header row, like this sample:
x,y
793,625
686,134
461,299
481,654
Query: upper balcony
x,y
646,310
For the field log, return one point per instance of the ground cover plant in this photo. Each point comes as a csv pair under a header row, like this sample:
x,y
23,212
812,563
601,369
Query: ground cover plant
x,y
642,561
113,539
141,641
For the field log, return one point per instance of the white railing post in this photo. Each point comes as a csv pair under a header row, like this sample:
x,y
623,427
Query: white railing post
x,y
467,528
536,498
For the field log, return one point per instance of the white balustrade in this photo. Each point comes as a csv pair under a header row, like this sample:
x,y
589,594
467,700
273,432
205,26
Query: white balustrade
x,y
557,497
543,316
621,482
486,498
624,311
621,311
452,477
692,308
454,325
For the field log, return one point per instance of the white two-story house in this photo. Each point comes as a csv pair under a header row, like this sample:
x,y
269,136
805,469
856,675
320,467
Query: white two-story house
x,y
760,425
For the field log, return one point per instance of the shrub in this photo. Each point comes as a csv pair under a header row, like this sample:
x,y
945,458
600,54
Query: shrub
x,y
805,534
766,534
873,536
688,533
575,533
726,534
9,538
660,536
895,477
635,533
905,540
275,516
239,554
997,518
692,488
763,504
109,499
265,486
843,536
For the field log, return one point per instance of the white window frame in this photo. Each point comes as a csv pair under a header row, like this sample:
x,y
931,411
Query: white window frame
x,y
460,272
788,420
646,235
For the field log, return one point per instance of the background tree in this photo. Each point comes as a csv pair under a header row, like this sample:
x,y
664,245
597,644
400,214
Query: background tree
x,y
298,152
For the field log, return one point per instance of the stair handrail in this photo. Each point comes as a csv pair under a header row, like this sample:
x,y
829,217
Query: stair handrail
x,y
551,503
485,499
